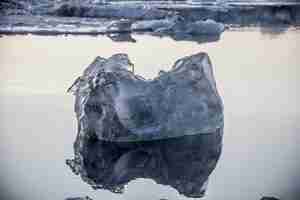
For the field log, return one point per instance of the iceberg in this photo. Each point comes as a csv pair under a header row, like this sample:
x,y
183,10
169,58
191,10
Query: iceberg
x,y
115,104
168,129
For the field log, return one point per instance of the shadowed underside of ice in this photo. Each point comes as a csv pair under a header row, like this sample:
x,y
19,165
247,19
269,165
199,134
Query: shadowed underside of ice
x,y
79,198
184,163
115,104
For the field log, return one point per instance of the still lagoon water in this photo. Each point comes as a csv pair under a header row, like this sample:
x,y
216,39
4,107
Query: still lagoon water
x,y
258,77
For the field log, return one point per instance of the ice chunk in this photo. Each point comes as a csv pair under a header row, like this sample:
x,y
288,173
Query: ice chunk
x,y
115,104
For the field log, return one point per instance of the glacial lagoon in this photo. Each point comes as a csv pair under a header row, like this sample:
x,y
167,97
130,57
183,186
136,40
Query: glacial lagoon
x,y
257,76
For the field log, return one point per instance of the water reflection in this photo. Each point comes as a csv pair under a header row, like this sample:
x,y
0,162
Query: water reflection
x,y
128,37
121,37
273,32
183,163
196,38
199,39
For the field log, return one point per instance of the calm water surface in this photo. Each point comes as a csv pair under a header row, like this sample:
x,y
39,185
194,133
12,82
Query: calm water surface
x,y
258,78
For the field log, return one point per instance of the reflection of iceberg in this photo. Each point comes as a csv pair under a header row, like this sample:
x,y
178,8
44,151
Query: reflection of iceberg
x,y
123,37
183,163
196,38
79,198
112,103
272,31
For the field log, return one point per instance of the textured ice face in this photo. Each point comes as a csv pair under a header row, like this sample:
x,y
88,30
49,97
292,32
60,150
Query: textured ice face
x,y
116,105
